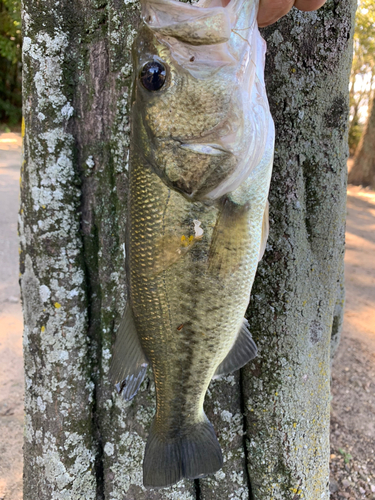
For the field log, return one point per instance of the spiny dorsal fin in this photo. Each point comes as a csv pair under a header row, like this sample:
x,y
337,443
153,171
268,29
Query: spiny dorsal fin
x,y
243,350
129,363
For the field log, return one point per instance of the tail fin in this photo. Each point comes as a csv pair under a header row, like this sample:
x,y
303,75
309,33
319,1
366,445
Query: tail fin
x,y
193,455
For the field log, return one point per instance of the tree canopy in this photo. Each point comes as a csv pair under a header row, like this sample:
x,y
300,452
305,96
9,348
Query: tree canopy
x,y
10,61
362,77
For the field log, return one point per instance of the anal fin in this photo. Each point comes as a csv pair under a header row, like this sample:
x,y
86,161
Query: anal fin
x,y
129,363
243,351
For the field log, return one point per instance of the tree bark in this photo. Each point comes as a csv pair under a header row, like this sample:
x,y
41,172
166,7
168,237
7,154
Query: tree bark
x,y
81,440
363,170
297,298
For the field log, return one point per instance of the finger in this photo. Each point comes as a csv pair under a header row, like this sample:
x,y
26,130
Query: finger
x,y
270,11
307,5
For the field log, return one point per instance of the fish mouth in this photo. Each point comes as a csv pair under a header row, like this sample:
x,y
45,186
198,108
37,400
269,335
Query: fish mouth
x,y
205,149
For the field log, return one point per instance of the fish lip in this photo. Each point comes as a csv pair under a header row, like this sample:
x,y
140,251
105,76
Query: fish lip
x,y
209,149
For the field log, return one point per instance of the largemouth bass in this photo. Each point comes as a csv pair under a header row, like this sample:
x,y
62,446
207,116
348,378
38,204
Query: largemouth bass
x,y
200,167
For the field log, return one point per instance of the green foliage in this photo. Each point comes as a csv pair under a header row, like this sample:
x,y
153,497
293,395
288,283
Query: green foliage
x,y
363,68
364,38
10,62
347,456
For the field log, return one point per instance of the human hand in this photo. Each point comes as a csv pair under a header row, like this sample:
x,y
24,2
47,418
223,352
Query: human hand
x,y
270,11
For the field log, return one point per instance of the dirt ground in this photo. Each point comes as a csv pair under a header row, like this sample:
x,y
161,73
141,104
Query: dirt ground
x,y
353,374
11,366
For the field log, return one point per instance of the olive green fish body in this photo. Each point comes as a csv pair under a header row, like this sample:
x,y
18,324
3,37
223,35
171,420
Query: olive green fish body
x,y
189,295
200,167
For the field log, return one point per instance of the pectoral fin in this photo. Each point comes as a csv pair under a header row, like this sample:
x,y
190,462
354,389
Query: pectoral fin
x,y
230,239
243,351
265,231
129,363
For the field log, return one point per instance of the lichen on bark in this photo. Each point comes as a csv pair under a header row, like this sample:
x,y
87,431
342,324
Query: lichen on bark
x,y
59,448
294,296
81,440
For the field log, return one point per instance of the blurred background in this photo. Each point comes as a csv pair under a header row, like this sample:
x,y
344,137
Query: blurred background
x,y
353,374
10,65
362,79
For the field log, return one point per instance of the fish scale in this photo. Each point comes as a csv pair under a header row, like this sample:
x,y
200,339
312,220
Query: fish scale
x,y
187,293
193,238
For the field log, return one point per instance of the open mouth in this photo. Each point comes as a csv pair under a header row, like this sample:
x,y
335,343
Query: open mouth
x,y
205,149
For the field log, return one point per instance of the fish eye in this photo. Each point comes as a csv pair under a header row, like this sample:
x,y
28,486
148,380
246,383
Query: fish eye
x,y
153,75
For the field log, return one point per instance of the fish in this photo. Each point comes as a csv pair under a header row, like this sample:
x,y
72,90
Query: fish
x,y
201,154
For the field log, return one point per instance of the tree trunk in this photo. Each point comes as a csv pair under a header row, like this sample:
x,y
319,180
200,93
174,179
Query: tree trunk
x,y
363,170
297,298
81,440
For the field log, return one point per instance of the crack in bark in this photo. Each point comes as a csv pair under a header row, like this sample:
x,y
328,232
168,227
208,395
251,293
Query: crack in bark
x,y
197,485
95,341
244,422
91,268
99,470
